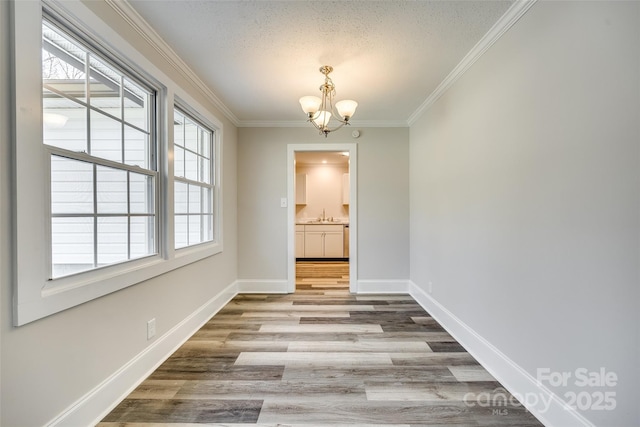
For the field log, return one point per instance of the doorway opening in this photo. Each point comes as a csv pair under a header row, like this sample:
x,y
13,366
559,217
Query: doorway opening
x,y
321,218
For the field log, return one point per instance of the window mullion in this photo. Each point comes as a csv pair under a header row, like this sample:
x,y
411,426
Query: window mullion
x,y
95,216
128,215
188,214
122,142
87,92
83,157
202,227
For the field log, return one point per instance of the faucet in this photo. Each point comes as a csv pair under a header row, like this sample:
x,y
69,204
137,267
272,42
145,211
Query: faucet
x,y
324,218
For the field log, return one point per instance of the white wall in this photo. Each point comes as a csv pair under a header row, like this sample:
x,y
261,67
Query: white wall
x,y
324,192
525,195
383,200
49,364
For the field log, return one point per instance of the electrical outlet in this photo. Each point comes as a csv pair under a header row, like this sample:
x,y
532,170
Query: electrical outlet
x,y
283,202
151,328
430,289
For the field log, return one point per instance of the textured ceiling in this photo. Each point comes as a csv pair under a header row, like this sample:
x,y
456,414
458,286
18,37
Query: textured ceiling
x,y
259,57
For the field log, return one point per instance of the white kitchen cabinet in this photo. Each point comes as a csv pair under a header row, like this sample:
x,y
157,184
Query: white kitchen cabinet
x,y
313,243
345,189
323,241
333,244
299,241
301,189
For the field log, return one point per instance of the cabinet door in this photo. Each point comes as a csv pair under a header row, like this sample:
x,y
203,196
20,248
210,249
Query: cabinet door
x,y
333,244
301,189
299,244
313,244
345,189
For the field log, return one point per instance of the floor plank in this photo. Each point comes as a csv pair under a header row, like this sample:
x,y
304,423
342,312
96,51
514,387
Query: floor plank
x,y
319,357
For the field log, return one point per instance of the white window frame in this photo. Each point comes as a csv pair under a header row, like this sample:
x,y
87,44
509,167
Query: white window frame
x,y
34,295
192,115
151,170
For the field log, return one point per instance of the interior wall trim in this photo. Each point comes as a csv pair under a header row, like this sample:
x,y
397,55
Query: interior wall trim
x,y
97,403
146,31
383,286
512,376
262,286
510,17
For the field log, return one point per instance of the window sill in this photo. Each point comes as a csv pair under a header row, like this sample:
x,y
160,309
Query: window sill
x,y
64,293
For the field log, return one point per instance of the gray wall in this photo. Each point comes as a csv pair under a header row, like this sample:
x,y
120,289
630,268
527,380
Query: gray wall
x,y
4,170
525,195
383,200
48,364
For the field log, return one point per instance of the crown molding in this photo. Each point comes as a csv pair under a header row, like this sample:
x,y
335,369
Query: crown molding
x,y
303,123
131,16
510,17
142,27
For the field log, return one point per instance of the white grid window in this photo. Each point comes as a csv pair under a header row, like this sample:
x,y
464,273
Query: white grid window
x,y
193,181
97,129
92,211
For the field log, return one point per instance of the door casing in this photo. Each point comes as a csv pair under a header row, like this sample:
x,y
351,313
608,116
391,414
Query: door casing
x,y
351,148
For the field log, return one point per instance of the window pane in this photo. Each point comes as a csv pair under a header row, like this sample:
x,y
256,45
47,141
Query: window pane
x,y
181,235
195,202
142,197
112,240
178,128
142,236
178,161
104,84
205,144
64,123
136,148
136,104
71,245
190,135
207,224
63,66
195,229
180,198
205,170
111,187
207,200
191,166
71,186
106,137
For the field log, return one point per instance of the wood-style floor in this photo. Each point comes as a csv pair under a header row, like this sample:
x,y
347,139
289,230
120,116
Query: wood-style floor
x,y
323,357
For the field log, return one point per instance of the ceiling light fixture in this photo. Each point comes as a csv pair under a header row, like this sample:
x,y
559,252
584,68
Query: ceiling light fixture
x,y
54,120
319,111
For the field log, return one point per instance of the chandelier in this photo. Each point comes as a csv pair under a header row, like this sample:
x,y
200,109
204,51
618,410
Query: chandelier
x,y
319,111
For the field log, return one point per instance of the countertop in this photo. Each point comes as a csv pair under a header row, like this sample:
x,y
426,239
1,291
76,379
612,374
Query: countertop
x,y
315,222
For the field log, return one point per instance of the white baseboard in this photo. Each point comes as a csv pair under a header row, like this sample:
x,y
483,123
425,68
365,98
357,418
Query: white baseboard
x,y
262,286
383,287
539,400
90,408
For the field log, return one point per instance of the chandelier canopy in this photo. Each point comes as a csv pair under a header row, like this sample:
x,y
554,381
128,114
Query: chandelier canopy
x,y
320,110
